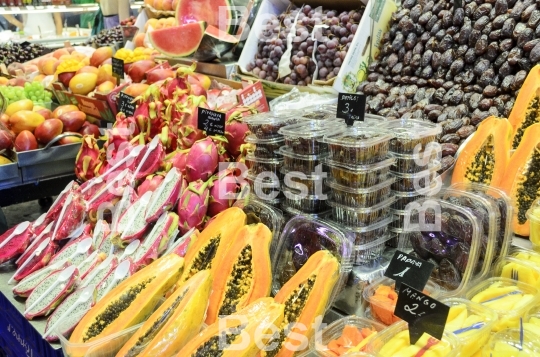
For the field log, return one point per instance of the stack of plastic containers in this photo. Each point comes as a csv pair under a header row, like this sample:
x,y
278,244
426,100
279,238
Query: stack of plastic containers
x,y
360,187
417,158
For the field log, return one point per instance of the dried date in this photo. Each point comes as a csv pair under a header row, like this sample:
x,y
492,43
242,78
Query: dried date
x,y
450,139
449,149
490,90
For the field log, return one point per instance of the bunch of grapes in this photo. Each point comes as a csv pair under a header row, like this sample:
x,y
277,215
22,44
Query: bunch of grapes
x,y
20,52
329,43
12,94
106,37
36,92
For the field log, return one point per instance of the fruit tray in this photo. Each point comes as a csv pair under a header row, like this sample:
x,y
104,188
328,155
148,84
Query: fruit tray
x,y
423,182
360,217
264,188
267,125
360,197
265,148
264,166
413,163
404,198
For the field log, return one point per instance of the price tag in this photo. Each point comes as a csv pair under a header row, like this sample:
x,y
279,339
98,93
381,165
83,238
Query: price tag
x,y
404,268
423,313
125,104
28,7
351,107
15,9
62,7
211,121
118,68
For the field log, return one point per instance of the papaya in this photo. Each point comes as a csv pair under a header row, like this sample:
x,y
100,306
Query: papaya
x,y
526,110
212,243
521,180
485,156
238,335
245,273
176,321
305,297
128,304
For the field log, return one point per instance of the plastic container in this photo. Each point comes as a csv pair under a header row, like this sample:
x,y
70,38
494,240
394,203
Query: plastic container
x,y
293,212
398,235
266,188
359,197
302,237
318,114
409,133
519,270
413,163
301,163
358,145
449,236
368,234
404,198
526,255
305,138
319,342
359,176
368,252
512,343
533,215
421,182
398,221
383,311
266,125
265,148
305,203
448,346
298,181
501,300
472,333
360,217
268,166
533,315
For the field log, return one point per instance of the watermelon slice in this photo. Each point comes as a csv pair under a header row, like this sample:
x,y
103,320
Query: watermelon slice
x,y
215,13
178,41
214,44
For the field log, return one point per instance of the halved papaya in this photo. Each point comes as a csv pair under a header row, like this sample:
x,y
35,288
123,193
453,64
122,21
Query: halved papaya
x,y
485,156
305,297
131,302
210,246
237,335
245,273
522,179
526,110
176,321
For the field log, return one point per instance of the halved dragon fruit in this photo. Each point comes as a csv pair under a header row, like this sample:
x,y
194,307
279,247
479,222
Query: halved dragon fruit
x,y
15,241
58,204
110,189
50,292
90,263
166,195
101,231
157,240
67,315
28,284
39,225
45,235
129,197
70,217
132,224
36,260
181,246
150,183
149,159
75,252
124,270
99,273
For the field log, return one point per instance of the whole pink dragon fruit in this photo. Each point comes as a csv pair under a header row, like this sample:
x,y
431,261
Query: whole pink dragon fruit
x,y
88,157
188,132
223,189
235,128
202,160
192,206
176,159
150,183
221,142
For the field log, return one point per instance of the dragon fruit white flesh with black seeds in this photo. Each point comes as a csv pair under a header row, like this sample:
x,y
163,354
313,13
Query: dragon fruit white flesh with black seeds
x,y
99,273
157,240
166,195
29,283
132,224
90,263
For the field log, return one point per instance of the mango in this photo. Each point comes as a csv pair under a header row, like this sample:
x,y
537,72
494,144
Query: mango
x,y
23,104
4,160
25,120
399,346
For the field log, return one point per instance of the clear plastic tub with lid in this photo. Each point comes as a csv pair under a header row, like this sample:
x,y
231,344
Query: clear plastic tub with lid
x,y
368,252
404,198
512,343
398,236
293,212
508,298
320,114
268,167
265,188
360,176
307,164
299,181
526,255
359,197
305,137
413,163
358,145
519,270
422,182
382,297
360,217
265,148
410,133
368,234
266,125
356,332
533,215
305,203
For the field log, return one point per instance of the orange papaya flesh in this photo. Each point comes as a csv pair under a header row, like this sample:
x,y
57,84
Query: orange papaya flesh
x,y
483,159
244,274
305,297
522,179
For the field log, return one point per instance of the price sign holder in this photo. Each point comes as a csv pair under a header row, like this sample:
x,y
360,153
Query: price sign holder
x,y
211,121
404,268
351,107
118,68
125,104
423,313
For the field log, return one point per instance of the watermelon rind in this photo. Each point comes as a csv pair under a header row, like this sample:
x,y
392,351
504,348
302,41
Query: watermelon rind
x,y
215,43
188,11
173,41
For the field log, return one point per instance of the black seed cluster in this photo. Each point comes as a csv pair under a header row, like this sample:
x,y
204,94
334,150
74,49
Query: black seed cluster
x,y
239,283
215,345
203,259
480,170
529,187
531,117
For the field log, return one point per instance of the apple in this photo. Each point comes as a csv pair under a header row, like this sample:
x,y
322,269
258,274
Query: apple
x,y
70,139
138,69
6,139
90,129
25,141
48,130
73,121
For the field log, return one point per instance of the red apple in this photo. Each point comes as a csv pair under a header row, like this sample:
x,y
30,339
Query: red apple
x,y
70,139
6,139
25,141
138,69
73,121
158,74
90,129
48,130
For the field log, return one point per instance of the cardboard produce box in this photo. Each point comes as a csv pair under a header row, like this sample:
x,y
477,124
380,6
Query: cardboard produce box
x,y
364,47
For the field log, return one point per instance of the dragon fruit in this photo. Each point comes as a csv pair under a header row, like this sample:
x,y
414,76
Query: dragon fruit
x,y
88,157
28,284
69,313
176,159
122,132
149,159
122,271
101,232
15,241
56,207
183,243
165,196
202,160
193,205
50,292
90,263
150,183
236,130
223,189
221,143
109,193
132,224
99,273
45,235
157,240
70,217
75,252
188,131
128,198
36,260
38,226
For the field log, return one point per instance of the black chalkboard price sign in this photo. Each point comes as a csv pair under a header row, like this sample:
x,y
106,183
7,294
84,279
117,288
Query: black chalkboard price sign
x,y
211,121
423,313
351,107
118,68
404,268
124,104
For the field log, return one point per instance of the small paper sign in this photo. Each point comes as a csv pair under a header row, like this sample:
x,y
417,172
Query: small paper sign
x,y
404,268
124,104
118,68
351,107
211,121
422,313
